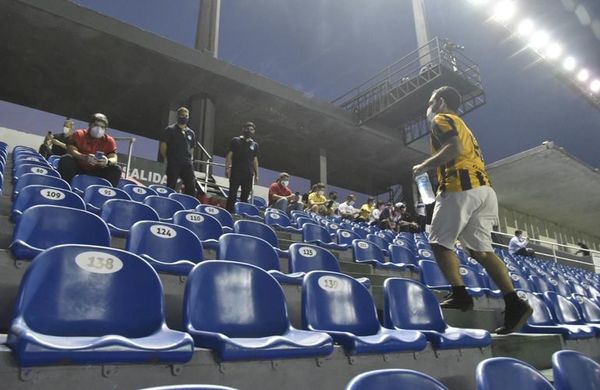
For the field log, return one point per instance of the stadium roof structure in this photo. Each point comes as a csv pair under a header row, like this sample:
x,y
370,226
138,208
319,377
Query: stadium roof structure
x,y
69,60
549,183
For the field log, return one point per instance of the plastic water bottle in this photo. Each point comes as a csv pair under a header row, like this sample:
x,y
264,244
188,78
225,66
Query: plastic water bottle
x,y
424,186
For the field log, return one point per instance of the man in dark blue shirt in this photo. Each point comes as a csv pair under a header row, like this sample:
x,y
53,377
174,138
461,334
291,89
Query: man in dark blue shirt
x,y
241,164
177,144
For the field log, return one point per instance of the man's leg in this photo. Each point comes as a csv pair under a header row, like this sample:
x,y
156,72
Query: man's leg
x,y
280,204
189,179
68,167
449,264
172,172
234,185
246,184
112,173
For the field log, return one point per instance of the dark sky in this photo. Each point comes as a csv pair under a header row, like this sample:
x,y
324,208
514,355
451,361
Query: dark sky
x,y
326,47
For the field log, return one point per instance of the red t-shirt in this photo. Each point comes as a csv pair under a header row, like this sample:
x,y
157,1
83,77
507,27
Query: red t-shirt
x,y
277,189
86,144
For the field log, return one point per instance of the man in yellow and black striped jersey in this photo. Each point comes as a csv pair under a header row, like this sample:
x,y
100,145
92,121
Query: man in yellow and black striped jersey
x,y
466,208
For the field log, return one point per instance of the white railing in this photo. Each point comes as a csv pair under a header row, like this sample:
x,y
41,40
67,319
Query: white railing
x,y
130,141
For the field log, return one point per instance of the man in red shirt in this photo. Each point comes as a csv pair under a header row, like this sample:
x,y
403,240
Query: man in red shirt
x,y
281,197
92,152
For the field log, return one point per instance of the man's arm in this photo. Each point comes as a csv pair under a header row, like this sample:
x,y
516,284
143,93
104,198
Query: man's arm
x,y
162,148
449,151
228,164
255,170
59,143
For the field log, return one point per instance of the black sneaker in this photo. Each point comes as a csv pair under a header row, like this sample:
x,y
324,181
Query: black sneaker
x,y
515,316
460,302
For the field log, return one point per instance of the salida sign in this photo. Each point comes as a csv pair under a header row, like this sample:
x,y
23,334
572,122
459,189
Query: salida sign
x,y
146,171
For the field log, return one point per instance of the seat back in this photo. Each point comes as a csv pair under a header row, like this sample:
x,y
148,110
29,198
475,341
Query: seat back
x,y
311,232
541,314
84,290
34,195
248,249
540,285
394,378
162,190
507,373
366,250
401,255
234,299
590,311
33,178
345,237
259,202
301,221
336,302
219,213
362,233
123,182
381,242
470,277
565,311
164,207
96,195
81,182
431,274
276,218
123,214
246,208
203,225
45,226
164,242
519,282
189,202
34,168
306,258
410,305
256,229
138,193
575,371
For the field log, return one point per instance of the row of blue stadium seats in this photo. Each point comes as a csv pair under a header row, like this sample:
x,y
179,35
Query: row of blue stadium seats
x,y
237,310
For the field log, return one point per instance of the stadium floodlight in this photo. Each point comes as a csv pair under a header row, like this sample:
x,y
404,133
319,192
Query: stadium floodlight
x,y
569,64
553,51
539,40
504,11
583,75
595,86
525,28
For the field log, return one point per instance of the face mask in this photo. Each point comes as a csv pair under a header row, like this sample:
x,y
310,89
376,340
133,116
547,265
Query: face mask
x,y
182,120
285,183
350,203
66,130
97,132
320,193
430,115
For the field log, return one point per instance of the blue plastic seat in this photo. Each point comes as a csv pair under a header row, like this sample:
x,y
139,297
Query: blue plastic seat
x,y
381,242
247,210
346,237
519,282
81,182
259,203
169,248
575,371
189,202
161,190
403,255
432,276
53,161
256,251
540,285
280,221
318,235
34,195
123,182
565,313
138,193
394,378
120,215
302,220
96,195
260,230
410,305
87,304
503,373
164,207
33,178
305,258
31,168
30,160
44,226
219,213
239,311
207,228
341,306
588,309
364,251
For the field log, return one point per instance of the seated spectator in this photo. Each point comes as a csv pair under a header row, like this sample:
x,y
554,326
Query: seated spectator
x,y
518,245
46,147
376,213
317,202
365,210
346,208
281,197
334,203
405,222
91,151
56,144
421,215
584,249
387,218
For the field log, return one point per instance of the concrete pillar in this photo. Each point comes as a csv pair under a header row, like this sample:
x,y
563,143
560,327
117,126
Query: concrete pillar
x,y
421,29
207,33
323,166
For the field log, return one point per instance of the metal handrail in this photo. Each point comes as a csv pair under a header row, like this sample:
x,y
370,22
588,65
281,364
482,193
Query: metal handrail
x,y
131,141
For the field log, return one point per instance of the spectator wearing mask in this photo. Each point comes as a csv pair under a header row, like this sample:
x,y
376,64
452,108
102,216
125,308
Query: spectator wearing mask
x,y
421,215
46,147
405,222
387,218
365,210
347,209
317,200
333,203
376,213
56,144
584,249
281,197
518,245
241,164
177,144
91,151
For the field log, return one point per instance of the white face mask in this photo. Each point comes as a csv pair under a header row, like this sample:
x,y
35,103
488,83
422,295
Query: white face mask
x,y
285,183
97,132
321,193
66,130
350,203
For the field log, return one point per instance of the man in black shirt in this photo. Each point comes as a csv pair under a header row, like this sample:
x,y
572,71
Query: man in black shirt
x,y
56,144
177,145
241,164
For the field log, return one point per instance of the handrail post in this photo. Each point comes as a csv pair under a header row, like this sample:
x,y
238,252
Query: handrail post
x,y
129,153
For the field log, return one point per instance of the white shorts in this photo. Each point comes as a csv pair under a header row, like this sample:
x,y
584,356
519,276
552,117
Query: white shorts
x,y
467,216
